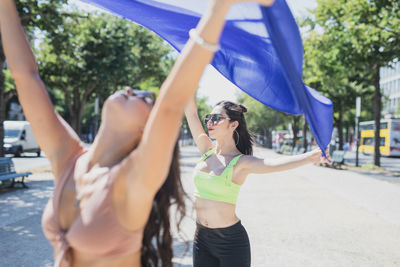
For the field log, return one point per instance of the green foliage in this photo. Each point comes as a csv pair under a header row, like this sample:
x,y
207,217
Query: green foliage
x,y
261,118
8,81
45,15
346,42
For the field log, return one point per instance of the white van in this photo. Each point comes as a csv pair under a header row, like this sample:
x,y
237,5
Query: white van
x,y
18,138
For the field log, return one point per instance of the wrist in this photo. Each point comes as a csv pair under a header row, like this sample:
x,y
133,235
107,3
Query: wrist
x,y
220,5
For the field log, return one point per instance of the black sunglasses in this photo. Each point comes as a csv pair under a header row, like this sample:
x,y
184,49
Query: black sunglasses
x,y
214,118
146,96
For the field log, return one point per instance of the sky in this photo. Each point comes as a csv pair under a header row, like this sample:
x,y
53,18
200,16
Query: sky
x,y
213,85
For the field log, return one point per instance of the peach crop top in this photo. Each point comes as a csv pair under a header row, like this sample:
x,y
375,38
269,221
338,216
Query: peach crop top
x,y
96,231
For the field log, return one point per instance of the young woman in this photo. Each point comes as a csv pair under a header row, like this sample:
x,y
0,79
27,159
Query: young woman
x,y
220,238
112,200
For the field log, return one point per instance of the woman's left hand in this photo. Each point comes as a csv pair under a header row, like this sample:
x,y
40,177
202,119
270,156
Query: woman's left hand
x,y
316,156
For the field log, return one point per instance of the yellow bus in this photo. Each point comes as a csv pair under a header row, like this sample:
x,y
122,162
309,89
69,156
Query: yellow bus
x,y
389,137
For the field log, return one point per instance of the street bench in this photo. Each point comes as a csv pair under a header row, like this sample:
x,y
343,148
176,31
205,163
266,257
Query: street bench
x,y
7,172
337,158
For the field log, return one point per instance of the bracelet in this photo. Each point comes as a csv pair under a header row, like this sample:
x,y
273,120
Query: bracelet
x,y
200,41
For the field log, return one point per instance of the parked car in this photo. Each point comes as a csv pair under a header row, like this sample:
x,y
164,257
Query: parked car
x,y
18,138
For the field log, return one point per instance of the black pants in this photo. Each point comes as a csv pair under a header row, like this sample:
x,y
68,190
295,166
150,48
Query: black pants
x,y
221,247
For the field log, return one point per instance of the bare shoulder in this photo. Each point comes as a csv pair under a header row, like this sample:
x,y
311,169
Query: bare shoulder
x,y
250,164
244,161
247,159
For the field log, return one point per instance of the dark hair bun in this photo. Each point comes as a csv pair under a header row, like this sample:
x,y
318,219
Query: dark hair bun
x,y
244,109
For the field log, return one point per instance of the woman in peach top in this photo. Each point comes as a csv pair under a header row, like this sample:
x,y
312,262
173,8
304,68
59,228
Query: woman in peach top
x,y
111,201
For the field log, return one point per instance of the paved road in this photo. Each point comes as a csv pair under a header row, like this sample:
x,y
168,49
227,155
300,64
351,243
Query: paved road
x,y
29,162
315,216
388,163
311,216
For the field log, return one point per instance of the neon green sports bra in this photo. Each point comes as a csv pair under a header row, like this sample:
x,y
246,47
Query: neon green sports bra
x,y
217,187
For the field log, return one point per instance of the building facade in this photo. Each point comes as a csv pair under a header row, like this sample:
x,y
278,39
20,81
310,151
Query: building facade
x,y
390,87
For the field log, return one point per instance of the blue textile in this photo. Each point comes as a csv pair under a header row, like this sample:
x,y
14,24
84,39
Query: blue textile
x,y
262,52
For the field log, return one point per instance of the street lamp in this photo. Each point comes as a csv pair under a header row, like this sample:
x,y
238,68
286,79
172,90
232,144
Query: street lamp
x,y
358,113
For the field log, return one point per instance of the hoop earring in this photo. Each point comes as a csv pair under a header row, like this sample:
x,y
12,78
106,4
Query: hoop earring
x,y
237,142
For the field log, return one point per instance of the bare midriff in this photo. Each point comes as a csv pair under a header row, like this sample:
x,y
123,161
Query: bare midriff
x,y
80,259
215,214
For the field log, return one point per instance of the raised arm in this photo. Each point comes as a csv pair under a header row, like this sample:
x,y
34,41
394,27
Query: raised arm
x,y
200,137
256,165
54,136
151,159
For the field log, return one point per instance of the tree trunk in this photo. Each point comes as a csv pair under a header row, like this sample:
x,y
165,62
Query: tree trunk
x,y
339,125
2,101
76,118
268,138
305,134
340,129
76,108
295,129
377,117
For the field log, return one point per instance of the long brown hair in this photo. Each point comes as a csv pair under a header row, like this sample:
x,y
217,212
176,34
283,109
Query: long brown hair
x,y
157,238
244,140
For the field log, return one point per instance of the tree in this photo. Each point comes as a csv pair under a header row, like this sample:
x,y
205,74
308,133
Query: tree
x,y
326,70
365,36
305,128
35,14
96,55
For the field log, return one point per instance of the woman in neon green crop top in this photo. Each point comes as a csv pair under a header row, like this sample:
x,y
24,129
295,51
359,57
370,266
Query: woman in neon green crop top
x,y
220,238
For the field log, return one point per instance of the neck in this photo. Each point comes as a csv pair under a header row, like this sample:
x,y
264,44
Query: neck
x,y
110,147
226,146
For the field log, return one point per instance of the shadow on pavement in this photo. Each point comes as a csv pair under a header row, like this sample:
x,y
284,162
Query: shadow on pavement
x,y
22,240
16,203
23,244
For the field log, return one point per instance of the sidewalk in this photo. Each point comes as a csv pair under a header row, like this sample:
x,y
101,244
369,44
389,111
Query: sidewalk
x,y
310,216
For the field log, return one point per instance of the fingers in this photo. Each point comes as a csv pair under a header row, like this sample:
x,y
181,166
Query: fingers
x,y
267,2
326,160
261,2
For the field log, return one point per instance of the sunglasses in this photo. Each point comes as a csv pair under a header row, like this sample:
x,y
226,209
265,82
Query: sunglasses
x,y
214,118
146,96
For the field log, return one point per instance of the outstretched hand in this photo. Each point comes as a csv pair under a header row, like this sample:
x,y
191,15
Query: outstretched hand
x,y
316,156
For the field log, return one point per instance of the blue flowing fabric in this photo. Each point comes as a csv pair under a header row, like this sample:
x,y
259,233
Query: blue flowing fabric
x,y
262,52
